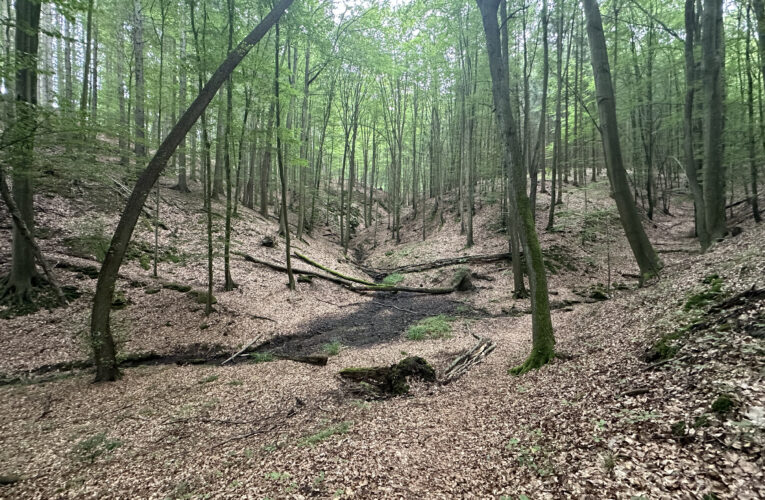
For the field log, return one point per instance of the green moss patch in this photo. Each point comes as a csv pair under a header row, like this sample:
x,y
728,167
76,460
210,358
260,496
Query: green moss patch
x,y
433,327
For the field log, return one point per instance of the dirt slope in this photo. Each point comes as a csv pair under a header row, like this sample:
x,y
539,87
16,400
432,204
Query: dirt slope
x,y
599,423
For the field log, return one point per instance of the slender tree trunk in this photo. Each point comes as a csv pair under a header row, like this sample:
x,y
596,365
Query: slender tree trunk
x,y
140,93
104,354
647,259
182,185
86,64
228,281
280,163
542,333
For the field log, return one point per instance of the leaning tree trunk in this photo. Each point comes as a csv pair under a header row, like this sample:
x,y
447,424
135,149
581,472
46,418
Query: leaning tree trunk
x,y
19,282
542,332
101,338
647,259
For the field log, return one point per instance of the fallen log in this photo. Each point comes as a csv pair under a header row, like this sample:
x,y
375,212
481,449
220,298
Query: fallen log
x,y
242,350
466,361
347,284
451,261
313,359
332,271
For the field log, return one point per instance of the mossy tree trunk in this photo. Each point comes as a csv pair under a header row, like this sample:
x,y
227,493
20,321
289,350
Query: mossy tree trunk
x,y
543,340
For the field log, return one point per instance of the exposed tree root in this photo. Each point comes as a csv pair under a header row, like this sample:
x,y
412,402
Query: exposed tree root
x,y
535,361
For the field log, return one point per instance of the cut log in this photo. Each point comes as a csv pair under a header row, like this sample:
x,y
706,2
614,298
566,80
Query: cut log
x,y
387,381
467,360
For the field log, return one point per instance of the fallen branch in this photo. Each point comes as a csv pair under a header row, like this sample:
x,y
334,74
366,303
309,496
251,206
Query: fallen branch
x,y
416,268
331,271
242,350
466,361
345,283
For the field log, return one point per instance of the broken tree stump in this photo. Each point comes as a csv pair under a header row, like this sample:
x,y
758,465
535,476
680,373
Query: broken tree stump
x,y
387,381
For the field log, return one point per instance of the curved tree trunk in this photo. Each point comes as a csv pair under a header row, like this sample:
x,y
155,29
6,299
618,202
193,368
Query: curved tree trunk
x,y
101,338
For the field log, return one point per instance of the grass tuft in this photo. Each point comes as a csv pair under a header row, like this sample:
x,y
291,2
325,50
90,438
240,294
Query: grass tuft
x,y
433,327
325,434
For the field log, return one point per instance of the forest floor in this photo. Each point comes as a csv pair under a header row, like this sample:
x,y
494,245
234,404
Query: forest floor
x,y
605,421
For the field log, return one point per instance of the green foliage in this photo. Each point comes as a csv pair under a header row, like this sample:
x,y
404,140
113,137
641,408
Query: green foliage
x,y
261,357
710,294
393,279
326,433
723,404
208,379
433,327
332,348
89,449
201,296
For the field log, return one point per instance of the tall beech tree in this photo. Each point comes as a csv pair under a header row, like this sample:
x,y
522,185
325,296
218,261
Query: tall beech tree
x,y
647,259
102,342
543,340
23,275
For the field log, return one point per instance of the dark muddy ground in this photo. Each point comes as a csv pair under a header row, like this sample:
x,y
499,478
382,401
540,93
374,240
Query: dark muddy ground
x,y
383,319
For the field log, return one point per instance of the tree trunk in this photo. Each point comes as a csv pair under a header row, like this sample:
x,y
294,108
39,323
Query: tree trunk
x,y
542,332
714,171
140,92
20,280
101,338
280,163
647,259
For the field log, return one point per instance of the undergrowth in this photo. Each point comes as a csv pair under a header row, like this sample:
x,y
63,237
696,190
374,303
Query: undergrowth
x,y
433,327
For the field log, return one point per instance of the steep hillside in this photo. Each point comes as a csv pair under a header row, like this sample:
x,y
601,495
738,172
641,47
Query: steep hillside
x,y
658,391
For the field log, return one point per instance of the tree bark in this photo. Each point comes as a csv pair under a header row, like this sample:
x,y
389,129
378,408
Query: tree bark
x,y
543,341
647,259
101,338
714,170
19,282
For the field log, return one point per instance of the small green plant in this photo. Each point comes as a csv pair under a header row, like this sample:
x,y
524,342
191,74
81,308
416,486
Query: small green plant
x,y
433,327
278,476
723,404
207,380
261,357
708,295
393,279
325,434
89,449
609,462
332,348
